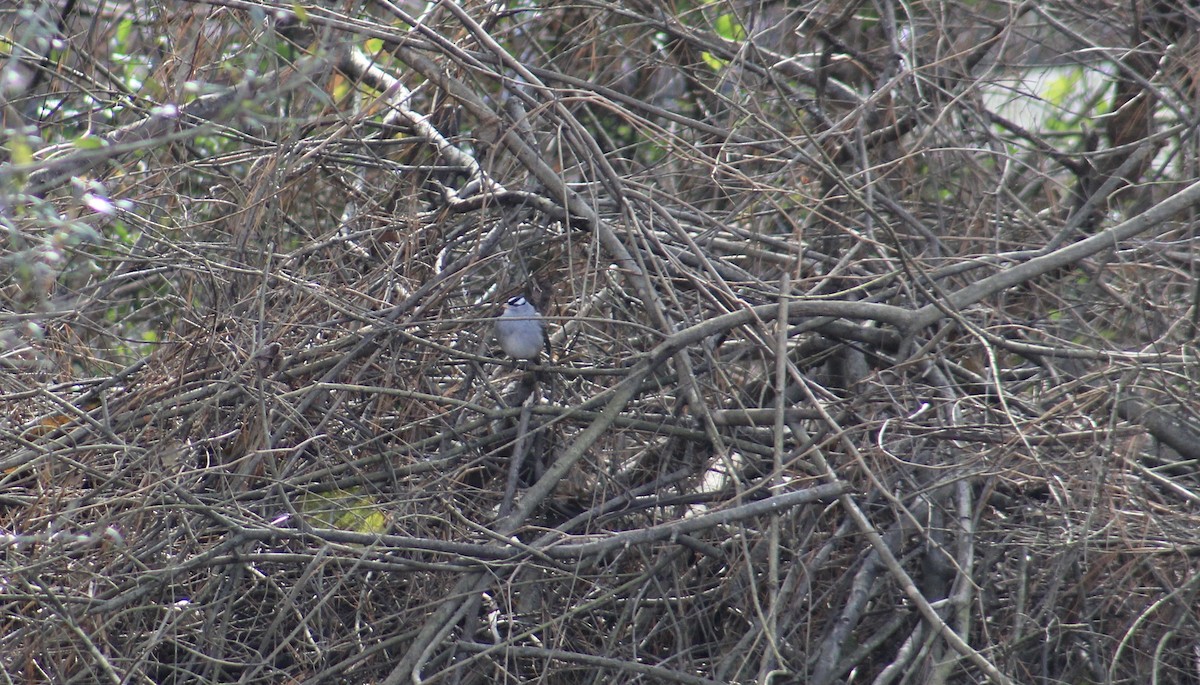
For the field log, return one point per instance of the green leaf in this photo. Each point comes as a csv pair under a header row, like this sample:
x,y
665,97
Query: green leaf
x,y
728,27
715,63
124,30
89,142
344,510
19,151
1062,87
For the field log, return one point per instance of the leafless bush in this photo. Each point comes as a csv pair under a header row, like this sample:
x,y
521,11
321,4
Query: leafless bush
x,y
873,343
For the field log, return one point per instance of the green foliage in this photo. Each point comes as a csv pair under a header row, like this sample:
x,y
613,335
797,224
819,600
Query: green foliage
x,y
1060,89
88,142
121,37
1073,98
728,27
347,509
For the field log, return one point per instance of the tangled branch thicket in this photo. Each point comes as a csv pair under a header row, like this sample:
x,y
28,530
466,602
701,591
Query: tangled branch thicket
x,y
873,331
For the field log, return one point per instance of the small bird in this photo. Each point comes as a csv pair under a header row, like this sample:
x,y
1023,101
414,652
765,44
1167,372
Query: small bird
x,y
520,330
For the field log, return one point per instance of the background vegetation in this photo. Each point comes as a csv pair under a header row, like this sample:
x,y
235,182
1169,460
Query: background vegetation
x,y
874,329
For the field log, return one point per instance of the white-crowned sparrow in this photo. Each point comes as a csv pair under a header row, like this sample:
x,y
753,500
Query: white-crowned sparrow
x,y
520,329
